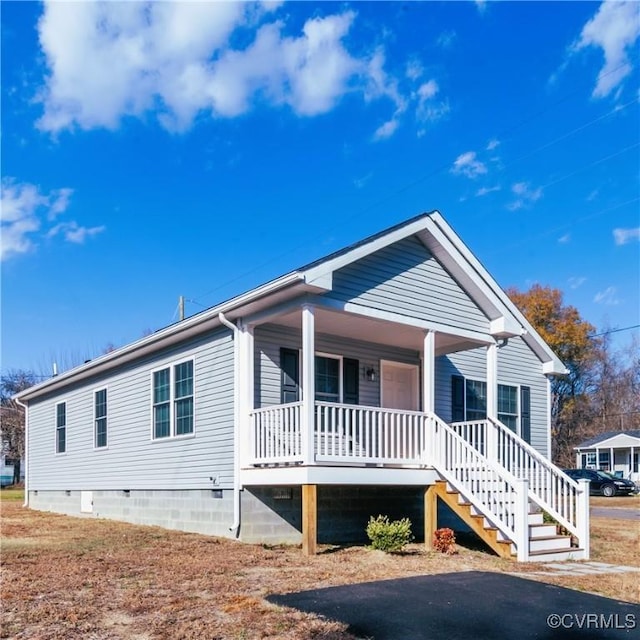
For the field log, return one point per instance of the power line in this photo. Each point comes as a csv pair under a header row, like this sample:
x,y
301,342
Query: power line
x,y
606,333
444,166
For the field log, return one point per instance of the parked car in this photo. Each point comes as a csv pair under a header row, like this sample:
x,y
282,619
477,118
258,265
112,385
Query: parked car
x,y
602,483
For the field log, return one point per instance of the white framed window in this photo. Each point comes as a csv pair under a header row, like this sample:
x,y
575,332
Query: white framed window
x,y
61,427
328,377
476,400
508,406
100,418
172,402
589,460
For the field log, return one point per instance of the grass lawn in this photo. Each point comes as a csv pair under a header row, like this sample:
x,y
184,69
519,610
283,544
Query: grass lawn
x,y
65,577
617,502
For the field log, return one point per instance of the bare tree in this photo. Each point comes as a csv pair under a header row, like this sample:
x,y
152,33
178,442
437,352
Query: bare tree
x,y
12,418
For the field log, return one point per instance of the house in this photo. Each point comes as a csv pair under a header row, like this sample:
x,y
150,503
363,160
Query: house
x,y
387,377
613,451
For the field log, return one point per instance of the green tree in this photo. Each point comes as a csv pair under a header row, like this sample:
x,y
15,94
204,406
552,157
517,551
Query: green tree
x,y
12,416
572,339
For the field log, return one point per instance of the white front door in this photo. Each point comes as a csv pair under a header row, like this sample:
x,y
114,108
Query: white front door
x,y
399,385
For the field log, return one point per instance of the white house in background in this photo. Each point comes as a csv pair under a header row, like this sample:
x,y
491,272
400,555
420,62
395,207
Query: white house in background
x,y
613,451
383,378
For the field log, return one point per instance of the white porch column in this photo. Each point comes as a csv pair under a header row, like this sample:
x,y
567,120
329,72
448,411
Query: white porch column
x,y
246,395
429,372
308,383
492,381
611,465
492,401
597,458
631,473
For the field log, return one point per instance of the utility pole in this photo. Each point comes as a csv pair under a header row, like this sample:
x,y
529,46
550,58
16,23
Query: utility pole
x,y
181,308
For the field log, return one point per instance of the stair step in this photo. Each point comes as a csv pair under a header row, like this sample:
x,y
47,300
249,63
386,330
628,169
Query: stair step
x,y
554,555
549,543
536,518
541,531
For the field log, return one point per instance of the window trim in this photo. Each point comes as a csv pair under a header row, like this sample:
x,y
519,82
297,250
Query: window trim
x,y
172,401
57,427
517,414
332,356
517,387
105,417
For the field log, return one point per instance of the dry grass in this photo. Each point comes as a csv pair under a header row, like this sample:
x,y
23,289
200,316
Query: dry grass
x,y
68,578
617,502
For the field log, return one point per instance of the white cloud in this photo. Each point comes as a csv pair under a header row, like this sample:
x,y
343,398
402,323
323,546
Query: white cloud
x,y
73,232
25,214
607,297
361,182
566,238
483,191
576,281
624,236
387,129
446,39
614,29
414,69
525,196
482,5
111,60
493,144
467,164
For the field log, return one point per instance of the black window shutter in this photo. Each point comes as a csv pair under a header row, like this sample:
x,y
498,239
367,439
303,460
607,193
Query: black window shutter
x,y
351,381
457,398
525,414
290,368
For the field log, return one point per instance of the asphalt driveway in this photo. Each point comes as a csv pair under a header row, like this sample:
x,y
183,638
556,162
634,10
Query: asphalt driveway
x,y
469,605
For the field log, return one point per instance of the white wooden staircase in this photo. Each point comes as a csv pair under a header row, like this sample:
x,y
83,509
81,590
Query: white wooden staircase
x,y
502,495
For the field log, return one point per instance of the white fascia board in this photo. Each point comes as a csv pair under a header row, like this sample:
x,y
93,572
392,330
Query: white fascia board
x,y
502,328
326,268
185,329
320,281
481,278
337,475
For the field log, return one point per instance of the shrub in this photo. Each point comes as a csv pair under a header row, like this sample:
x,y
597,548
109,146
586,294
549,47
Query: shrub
x,y
389,536
444,540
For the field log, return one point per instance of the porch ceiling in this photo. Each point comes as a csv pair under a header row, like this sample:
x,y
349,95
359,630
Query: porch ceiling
x,y
354,327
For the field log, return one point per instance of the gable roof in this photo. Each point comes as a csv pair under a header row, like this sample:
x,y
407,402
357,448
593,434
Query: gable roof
x,y
431,228
608,435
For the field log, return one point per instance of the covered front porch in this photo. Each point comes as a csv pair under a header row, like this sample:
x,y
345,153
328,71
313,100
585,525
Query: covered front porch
x,y
328,385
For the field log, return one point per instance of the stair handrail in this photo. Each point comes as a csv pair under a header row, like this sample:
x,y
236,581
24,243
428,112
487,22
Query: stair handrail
x,y
571,525
472,496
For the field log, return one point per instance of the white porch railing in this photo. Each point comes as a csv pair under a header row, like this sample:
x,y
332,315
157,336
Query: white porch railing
x,y
276,434
342,433
369,434
549,488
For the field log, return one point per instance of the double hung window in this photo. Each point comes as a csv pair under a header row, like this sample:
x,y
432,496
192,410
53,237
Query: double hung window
x,y
173,404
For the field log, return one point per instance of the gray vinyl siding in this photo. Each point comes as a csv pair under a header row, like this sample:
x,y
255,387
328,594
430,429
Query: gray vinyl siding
x,y
132,460
405,278
270,338
517,366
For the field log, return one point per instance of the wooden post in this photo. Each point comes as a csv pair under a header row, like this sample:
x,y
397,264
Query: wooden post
x,y
309,519
430,515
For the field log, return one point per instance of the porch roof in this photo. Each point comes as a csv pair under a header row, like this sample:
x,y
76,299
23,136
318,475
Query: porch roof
x,y
611,436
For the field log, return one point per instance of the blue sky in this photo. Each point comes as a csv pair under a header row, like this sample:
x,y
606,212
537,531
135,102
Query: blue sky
x,y
201,149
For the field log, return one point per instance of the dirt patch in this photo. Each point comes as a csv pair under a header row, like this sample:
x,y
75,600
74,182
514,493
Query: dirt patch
x,y
70,578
